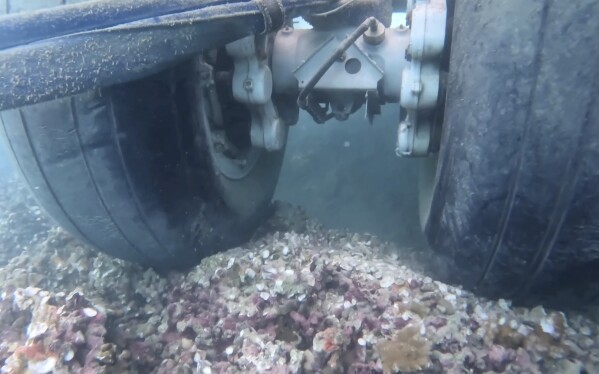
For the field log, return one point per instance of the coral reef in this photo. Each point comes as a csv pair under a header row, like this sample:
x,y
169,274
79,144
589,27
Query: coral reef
x,y
296,299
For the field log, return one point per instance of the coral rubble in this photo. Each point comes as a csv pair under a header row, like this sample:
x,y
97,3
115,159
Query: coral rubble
x,y
287,302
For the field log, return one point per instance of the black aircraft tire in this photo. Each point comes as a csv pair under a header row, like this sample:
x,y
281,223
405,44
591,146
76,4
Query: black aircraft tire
x,y
513,196
130,170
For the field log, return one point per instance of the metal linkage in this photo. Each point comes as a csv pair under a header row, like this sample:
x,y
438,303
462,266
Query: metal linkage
x,y
304,100
333,73
252,85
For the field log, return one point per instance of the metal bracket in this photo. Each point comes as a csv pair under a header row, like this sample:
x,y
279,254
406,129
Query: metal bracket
x,y
413,140
354,71
252,85
365,68
420,80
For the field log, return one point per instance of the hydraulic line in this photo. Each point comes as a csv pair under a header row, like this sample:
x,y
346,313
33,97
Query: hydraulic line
x,y
62,51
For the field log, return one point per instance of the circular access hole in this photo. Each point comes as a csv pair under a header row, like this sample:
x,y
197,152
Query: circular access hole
x,y
353,66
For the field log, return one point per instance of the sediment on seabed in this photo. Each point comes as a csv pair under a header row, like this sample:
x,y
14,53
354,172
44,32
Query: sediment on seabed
x,y
297,299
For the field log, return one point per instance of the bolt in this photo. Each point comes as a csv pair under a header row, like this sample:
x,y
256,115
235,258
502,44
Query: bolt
x,y
342,57
287,30
248,85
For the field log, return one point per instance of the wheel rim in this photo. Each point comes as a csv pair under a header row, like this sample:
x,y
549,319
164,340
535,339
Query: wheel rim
x,y
246,174
228,125
235,168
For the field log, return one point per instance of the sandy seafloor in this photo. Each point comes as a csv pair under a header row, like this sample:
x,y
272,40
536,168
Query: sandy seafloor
x,y
297,299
